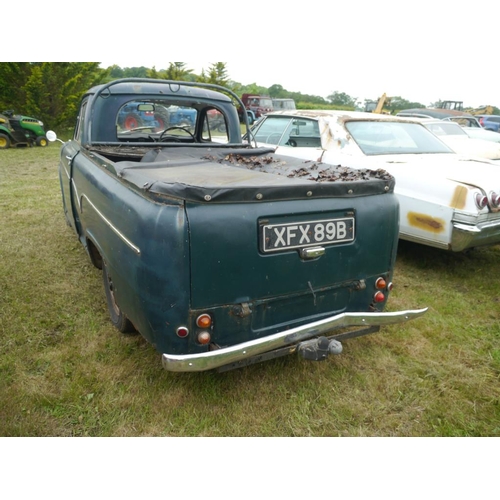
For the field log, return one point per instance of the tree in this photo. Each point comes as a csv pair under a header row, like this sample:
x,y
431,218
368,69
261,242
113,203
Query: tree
x,y
342,99
152,73
398,103
53,90
177,71
217,74
13,77
277,91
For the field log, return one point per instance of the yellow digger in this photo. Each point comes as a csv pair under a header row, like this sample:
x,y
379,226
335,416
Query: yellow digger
x,y
378,106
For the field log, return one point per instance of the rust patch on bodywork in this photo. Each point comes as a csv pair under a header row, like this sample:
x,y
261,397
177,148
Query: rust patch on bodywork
x,y
459,197
426,222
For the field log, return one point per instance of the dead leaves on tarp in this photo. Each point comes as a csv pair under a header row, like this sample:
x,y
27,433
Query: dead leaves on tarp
x,y
313,171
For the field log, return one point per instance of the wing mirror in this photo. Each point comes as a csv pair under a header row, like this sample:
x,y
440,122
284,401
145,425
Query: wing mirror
x,y
52,137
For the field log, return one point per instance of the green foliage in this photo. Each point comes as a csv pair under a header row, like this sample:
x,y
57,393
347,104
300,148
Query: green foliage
x,y
13,77
398,103
217,74
48,91
343,100
177,71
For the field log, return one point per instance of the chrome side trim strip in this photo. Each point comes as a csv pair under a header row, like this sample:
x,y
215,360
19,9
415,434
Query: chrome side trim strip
x,y
136,249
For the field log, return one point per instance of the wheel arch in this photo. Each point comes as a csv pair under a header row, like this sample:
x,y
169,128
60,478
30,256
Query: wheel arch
x,y
94,253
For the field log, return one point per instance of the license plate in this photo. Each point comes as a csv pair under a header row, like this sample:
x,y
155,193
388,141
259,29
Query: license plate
x,y
277,237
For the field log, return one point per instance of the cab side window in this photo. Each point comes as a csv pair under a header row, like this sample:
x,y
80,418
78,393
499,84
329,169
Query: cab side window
x,y
79,122
214,127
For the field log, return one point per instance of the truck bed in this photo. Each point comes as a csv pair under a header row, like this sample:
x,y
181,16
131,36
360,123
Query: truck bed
x,y
237,174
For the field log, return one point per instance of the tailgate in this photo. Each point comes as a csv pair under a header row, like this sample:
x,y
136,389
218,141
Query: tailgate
x,y
248,252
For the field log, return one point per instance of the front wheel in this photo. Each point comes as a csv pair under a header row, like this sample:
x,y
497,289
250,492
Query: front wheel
x,y
119,320
41,141
4,141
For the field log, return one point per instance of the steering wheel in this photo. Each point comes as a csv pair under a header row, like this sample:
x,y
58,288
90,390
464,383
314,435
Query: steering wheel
x,y
175,127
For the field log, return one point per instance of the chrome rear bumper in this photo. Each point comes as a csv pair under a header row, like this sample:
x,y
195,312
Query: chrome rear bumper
x,y
224,356
466,236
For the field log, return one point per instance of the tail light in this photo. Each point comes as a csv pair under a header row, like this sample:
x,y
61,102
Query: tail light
x,y
494,199
182,332
204,337
204,321
382,286
481,201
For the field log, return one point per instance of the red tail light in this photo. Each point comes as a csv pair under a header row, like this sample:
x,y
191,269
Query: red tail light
x,y
182,332
379,297
481,201
494,199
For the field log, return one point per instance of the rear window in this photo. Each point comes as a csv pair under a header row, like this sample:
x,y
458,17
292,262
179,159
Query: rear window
x,y
164,120
385,137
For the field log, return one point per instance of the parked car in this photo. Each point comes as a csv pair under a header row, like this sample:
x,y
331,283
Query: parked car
x,y
490,122
446,201
460,117
219,253
459,141
481,133
469,123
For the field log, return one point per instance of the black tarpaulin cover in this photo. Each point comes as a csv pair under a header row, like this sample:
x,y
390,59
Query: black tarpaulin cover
x,y
232,175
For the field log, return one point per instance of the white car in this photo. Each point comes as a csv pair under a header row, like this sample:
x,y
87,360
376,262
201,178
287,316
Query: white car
x,y
446,200
459,140
469,123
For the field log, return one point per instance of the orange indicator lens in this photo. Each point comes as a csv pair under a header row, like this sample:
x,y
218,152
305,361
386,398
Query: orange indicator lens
x,y
380,283
204,321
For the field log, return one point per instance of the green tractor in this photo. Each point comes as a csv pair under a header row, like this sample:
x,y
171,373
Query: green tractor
x,y
18,130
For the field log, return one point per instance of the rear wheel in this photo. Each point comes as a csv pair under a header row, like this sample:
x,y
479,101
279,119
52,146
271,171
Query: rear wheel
x,y
162,121
119,320
4,141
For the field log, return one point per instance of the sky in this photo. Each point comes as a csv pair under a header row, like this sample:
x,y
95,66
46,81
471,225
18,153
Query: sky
x,y
421,51
362,81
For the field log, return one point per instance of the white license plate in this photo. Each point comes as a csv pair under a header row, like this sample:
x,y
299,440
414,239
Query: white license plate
x,y
277,237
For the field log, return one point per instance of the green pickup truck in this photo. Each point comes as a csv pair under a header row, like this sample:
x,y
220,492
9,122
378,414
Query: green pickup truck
x,y
219,253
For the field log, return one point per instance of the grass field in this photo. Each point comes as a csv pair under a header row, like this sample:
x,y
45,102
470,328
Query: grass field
x,y
66,372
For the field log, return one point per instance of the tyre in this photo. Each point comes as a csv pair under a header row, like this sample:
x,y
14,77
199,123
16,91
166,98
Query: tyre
x,y
119,320
42,141
4,141
131,121
162,121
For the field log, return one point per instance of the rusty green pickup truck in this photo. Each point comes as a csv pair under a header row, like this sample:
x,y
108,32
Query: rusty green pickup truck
x,y
222,254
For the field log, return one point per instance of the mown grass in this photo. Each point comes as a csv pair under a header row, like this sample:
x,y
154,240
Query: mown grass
x,y
64,370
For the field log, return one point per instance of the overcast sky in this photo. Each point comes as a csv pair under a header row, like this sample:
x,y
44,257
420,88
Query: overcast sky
x,y
424,52
421,81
